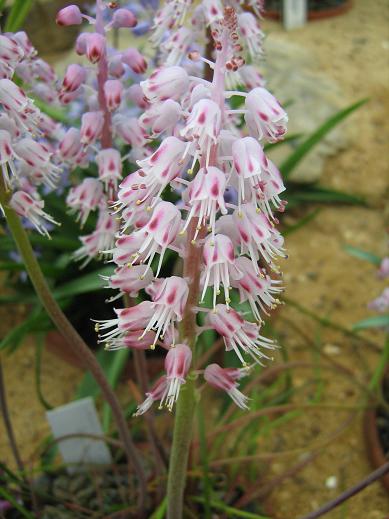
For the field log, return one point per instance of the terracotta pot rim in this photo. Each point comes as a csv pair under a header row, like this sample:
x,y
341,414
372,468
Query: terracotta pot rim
x,y
374,448
316,15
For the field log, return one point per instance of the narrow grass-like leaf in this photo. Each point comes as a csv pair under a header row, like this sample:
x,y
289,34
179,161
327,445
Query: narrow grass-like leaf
x,y
83,284
55,113
113,373
88,386
160,512
305,147
378,321
17,15
381,366
15,503
39,345
363,255
309,193
231,511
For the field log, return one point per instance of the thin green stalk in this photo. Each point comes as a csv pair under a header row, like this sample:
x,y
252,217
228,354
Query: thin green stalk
x,y
74,341
182,434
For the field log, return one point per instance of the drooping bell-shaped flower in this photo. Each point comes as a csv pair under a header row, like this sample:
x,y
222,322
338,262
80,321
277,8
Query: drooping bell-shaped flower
x,y
177,45
70,15
109,164
91,127
134,59
123,18
251,33
32,209
161,167
166,83
249,162
219,260
206,197
131,340
7,157
84,198
259,289
113,92
168,306
129,129
75,76
265,118
70,145
257,235
95,46
213,10
161,117
129,319
129,279
226,380
239,335
38,156
101,239
160,231
203,126
157,392
177,365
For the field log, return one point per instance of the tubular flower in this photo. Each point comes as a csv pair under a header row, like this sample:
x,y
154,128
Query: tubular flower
x,y
226,380
239,335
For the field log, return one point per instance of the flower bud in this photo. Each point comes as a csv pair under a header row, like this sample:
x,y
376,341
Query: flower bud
x,y
123,18
113,91
95,47
91,126
134,59
70,15
75,76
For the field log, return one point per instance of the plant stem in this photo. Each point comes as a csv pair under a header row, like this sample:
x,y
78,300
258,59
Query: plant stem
x,y
75,342
182,434
186,403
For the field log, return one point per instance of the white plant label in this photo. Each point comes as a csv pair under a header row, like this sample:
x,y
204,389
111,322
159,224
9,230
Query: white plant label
x,y
79,417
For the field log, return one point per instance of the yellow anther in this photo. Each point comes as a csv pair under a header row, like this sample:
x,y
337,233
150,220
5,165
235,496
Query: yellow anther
x,y
148,208
181,233
193,242
218,292
97,327
138,202
228,300
152,346
190,171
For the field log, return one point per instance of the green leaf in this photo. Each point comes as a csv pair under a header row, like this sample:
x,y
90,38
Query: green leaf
x,y
39,345
378,321
54,112
113,372
88,385
307,193
83,284
15,503
231,511
17,15
363,255
305,147
160,512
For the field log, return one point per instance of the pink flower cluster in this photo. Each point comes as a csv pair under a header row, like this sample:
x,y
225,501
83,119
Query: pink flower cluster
x,y
228,192
106,123
27,136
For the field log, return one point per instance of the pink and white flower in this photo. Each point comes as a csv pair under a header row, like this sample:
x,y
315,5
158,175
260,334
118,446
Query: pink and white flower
x,y
239,335
226,380
264,117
